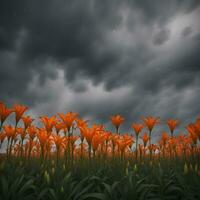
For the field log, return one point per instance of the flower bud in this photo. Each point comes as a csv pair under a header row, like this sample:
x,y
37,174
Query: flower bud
x,y
62,189
191,167
185,169
159,165
135,168
52,162
46,177
53,170
126,172
127,164
196,168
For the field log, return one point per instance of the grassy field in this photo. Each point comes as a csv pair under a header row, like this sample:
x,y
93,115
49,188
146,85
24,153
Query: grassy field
x,y
158,179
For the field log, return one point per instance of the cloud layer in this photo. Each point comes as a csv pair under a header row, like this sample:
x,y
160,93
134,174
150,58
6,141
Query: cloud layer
x,y
102,57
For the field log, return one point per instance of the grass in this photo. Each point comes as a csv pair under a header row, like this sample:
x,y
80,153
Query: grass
x,y
158,179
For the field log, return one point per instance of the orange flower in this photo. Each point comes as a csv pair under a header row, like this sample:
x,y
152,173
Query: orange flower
x,y
59,126
117,120
190,128
164,138
114,138
145,139
21,132
137,128
96,140
88,133
107,135
32,132
10,132
197,128
73,139
129,140
172,123
152,147
192,132
2,138
68,119
123,142
4,113
81,123
59,141
19,111
150,122
42,136
27,121
48,122
194,138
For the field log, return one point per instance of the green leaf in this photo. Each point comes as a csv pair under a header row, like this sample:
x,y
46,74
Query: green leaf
x,y
99,196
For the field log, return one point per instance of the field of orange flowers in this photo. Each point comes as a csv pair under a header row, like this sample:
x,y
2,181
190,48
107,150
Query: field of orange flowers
x,y
66,158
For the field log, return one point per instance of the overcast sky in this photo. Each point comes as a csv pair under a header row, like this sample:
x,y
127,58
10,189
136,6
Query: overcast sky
x,y
104,57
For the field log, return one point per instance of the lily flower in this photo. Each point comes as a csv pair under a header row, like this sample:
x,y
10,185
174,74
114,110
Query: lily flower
x,y
172,124
48,122
27,120
19,111
4,113
150,123
117,120
137,128
68,119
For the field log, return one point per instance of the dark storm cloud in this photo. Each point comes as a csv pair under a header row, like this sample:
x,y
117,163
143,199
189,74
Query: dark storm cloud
x,y
107,47
187,31
161,37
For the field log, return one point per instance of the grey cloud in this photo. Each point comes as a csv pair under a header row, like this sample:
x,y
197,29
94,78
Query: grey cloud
x,y
197,37
186,31
161,37
118,45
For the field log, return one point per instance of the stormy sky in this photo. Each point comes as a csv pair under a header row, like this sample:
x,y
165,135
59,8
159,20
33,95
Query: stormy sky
x,y
102,57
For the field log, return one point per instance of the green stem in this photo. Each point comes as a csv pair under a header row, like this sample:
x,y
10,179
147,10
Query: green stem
x,y
172,134
149,137
1,124
21,148
10,148
89,152
136,147
81,150
7,149
30,148
57,155
117,129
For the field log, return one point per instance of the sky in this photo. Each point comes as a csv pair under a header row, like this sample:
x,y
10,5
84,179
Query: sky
x,y
102,57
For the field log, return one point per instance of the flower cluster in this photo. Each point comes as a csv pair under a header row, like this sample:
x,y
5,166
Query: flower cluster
x,y
70,137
